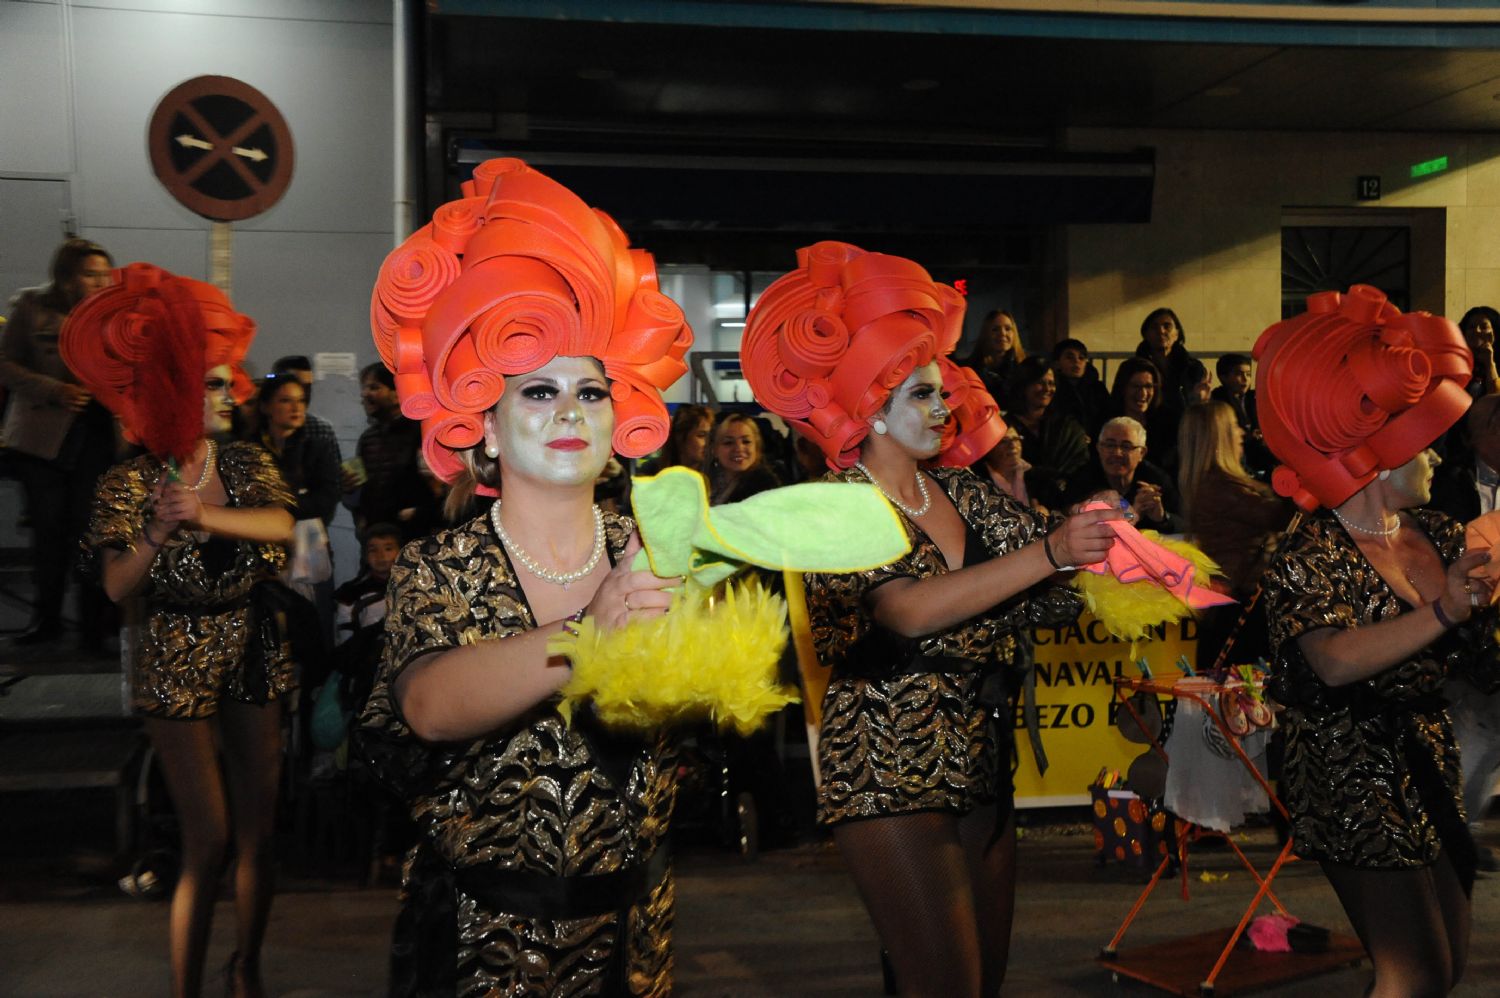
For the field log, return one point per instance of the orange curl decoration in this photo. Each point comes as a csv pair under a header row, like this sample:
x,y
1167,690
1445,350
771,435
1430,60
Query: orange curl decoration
x,y
827,343
1353,387
516,272
142,347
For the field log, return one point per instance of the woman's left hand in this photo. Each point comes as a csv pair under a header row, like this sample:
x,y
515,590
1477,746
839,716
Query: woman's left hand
x,y
180,504
1465,595
625,595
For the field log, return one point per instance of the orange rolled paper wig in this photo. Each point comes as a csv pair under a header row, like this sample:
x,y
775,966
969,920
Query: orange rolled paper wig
x,y
1353,387
826,345
142,347
514,273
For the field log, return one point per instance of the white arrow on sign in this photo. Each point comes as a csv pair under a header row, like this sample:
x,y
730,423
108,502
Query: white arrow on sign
x,y
193,142
253,154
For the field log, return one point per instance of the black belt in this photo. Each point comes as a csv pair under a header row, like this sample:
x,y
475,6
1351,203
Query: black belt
x,y
541,895
204,609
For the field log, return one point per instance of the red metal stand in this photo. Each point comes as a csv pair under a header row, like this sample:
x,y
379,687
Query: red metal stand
x,y
1163,965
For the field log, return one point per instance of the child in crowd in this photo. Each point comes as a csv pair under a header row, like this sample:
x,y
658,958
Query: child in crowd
x,y
361,600
359,629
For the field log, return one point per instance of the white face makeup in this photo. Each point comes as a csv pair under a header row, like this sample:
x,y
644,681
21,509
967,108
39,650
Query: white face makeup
x,y
916,412
553,425
218,405
1411,484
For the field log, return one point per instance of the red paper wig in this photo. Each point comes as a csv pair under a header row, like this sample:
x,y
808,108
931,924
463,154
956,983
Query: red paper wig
x,y
826,344
1353,387
142,346
516,272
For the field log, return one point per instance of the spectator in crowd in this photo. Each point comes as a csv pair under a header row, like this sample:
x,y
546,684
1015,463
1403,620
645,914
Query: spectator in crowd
x,y
1233,518
1121,465
997,353
687,444
1478,326
1164,344
361,600
1200,384
737,467
1052,442
388,486
1137,393
297,366
1080,391
1234,391
310,466
1006,468
59,439
1465,488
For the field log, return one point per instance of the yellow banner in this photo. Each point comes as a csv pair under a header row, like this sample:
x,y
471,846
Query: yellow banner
x,y
1075,670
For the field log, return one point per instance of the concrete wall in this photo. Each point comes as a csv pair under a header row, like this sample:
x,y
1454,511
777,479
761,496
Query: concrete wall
x,y
78,83
1212,250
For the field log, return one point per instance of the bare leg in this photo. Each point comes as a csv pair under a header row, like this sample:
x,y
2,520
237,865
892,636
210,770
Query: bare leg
x,y
911,872
191,766
252,759
1414,924
992,874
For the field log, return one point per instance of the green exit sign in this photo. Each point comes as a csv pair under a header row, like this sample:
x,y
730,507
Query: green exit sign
x,y
1430,167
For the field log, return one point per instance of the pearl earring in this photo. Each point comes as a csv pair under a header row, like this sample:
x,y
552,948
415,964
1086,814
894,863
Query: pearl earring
x,y
491,451
878,426
1385,474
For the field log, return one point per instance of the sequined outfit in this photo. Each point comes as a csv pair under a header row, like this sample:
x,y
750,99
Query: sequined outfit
x,y
908,722
541,806
1372,775
198,626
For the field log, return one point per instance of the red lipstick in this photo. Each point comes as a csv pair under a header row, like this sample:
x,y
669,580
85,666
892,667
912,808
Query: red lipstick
x,y
569,443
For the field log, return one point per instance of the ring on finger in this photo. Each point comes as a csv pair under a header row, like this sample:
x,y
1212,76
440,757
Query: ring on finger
x,y
627,603
1468,587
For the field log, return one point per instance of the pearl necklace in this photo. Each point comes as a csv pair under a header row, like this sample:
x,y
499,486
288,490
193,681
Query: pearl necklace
x,y
529,563
921,487
1367,531
205,474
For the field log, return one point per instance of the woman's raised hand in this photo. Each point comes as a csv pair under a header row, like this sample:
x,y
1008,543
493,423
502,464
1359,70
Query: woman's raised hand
x,y
177,504
1084,538
627,595
1464,595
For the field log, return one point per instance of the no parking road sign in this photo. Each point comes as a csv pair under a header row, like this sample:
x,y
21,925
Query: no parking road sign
x,y
221,148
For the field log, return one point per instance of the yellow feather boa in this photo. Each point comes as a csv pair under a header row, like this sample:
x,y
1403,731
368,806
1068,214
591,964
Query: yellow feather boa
x,y
1129,610
703,660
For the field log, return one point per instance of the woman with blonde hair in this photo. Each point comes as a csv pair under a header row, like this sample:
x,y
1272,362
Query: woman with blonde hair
x,y
996,353
852,348
1373,604
737,467
531,341
1233,518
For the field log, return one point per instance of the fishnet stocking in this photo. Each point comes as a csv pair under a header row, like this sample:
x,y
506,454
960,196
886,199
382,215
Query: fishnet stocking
x,y
941,892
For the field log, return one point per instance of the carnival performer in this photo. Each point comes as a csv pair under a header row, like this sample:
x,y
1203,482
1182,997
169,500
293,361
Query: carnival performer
x,y
1373,603
529,339
192,527
852,349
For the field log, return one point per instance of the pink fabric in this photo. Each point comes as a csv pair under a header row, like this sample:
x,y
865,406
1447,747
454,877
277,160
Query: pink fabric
x,y
1268,933
1133,558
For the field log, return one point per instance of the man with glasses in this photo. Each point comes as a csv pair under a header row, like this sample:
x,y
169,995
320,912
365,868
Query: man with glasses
x,y
1121,465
